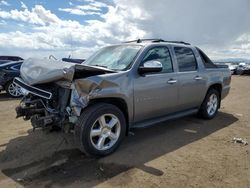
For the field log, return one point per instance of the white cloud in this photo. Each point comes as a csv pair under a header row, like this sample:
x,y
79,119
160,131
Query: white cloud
x,y
93,8
78,11
29,40
5,3
38,16
2,22
55,35
212,25
23,6
221,28
88,7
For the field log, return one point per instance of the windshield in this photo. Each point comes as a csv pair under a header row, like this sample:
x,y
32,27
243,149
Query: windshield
x,y
114,57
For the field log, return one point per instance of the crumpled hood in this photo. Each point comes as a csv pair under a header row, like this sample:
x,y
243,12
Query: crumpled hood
x,y
38,71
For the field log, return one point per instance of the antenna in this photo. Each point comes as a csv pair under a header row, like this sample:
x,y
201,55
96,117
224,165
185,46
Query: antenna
x,y
71,45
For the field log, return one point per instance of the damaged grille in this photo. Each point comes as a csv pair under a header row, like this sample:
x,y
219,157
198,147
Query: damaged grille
x,y
33,90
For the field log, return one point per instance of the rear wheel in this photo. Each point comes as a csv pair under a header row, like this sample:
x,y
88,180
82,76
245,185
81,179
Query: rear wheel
x,y
100,129
13,90
210,105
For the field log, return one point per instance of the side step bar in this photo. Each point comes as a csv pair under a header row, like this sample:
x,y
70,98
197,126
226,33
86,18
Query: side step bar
x,y
177,115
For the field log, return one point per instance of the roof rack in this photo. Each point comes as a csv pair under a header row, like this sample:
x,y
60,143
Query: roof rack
x,y
157,40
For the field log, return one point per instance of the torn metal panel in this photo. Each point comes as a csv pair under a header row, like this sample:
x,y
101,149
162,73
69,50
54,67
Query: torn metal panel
x,y
85,89
39,71
87,85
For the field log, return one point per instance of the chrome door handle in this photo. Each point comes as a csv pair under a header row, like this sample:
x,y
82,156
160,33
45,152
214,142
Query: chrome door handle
x,y
198,78
172,81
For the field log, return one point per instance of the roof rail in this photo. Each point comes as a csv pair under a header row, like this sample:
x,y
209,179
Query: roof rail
x,y
178,42
157,40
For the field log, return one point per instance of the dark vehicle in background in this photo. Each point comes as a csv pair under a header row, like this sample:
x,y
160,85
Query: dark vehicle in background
x,y
8,71
70,60
5,59
243,68
232,67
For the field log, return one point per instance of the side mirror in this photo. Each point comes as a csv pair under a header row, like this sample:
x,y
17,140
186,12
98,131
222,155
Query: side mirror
x,y
150,67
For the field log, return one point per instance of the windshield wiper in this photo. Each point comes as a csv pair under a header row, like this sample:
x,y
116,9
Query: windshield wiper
x,y
103,66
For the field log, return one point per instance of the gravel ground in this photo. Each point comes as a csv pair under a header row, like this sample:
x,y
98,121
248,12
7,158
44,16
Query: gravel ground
x,y
188,152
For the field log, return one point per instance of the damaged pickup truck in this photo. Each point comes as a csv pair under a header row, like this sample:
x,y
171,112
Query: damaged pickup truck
x,y
134,84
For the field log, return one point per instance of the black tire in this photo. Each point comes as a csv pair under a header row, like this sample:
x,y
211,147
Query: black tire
x,y
7,89
83,128
203,112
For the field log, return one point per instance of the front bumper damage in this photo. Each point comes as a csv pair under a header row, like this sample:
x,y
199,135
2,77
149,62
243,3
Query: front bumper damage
x,y
70,104
36,111
26,89
62,104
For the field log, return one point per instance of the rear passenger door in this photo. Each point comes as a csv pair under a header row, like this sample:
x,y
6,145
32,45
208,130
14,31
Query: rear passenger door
x,y
191,82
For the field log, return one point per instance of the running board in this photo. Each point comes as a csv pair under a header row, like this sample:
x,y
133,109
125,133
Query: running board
x,y
151,122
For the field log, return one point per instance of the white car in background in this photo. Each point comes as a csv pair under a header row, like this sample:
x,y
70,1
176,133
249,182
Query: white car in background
x,y
232,67
243,68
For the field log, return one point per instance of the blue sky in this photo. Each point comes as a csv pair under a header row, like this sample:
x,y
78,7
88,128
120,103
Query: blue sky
x,y
56,7
78,27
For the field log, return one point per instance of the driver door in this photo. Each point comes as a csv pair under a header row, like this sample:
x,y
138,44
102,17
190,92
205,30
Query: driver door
x,y
156,94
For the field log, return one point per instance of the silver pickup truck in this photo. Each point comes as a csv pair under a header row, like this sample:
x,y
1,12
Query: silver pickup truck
x,y
133,84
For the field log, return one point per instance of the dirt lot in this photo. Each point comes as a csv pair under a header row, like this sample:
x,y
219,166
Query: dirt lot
x,y
188,152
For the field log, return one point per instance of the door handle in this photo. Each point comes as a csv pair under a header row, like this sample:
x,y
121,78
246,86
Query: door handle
x,y
198,78
172,81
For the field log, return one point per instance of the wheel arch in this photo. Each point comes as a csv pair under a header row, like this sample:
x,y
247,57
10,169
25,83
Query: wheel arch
x,y
118,102
5,85
218,87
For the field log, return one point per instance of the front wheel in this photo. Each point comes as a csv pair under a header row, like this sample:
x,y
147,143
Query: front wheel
x,y
210,105
13,90
100,129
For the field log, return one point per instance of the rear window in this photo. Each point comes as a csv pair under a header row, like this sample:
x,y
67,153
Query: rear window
x,y
186,59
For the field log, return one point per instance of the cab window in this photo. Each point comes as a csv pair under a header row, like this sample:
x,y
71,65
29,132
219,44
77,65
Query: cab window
x,y
162,55
186,59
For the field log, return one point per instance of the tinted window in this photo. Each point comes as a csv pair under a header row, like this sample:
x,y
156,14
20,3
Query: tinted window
x,y
186,59
162,55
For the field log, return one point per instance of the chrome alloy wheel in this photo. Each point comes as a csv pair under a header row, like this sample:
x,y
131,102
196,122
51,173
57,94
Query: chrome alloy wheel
x,y
212,104
105,132
14,90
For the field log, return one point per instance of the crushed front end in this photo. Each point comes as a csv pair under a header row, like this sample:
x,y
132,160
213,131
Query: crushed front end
x,y
44,104
55,92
